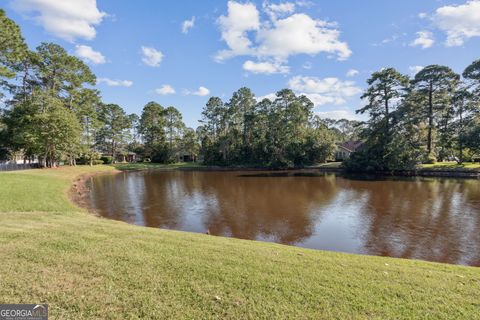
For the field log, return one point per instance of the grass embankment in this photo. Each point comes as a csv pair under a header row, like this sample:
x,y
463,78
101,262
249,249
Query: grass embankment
x,y
452,166
86,267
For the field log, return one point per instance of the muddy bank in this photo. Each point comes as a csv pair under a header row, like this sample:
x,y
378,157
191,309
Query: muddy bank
x,y
79,191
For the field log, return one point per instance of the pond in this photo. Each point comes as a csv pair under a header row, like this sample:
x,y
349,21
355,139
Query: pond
x,y
429,219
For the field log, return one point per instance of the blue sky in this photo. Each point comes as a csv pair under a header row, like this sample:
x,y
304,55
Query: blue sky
x,y
181,52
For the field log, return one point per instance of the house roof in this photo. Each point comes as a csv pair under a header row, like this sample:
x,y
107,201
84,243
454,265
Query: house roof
x,y
352,145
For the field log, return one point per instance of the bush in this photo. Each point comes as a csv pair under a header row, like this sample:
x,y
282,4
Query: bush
x,y
161,155
429,159
97,162
376,156
81,160
106,160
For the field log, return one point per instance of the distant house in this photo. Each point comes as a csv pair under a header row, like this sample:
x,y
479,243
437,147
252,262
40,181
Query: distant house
x,y
20,158
345,150
188,158
124,157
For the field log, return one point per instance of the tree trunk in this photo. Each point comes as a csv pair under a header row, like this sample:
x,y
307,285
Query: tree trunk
x,y
430,119
387,115
460,141
114,160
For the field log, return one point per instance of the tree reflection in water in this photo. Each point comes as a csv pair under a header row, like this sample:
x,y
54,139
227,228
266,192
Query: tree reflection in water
x,y
430,219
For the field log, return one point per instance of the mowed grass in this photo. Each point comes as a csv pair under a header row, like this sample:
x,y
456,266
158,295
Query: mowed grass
x,y
87,267
452,165
333,165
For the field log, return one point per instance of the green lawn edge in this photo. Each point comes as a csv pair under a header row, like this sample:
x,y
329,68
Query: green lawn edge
x,y
452,166
86,267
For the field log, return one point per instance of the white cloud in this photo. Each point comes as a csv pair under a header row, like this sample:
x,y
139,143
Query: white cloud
x,y
115,83
187,25
89,55
394,38
151,56
201,92
326,85
317,99
240,19
424,39
337,114
324,91
265,67
414,70
270,96
422,15
278,38
300,34
352,73
164,90
321,99
459,22
66,19
278,10
307,65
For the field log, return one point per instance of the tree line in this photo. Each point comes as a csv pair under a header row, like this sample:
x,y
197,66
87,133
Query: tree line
x,y
279,133
434,116
51,112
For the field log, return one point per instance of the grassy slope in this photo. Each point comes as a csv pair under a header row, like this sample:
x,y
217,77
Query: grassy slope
x,y
91,268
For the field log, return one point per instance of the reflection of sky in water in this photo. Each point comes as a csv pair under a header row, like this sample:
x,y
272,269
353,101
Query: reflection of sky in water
x,y
429,219
338,227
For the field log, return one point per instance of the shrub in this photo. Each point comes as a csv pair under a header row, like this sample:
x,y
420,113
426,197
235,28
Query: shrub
x,y
106,160
81,160
161,155
429,159
97,162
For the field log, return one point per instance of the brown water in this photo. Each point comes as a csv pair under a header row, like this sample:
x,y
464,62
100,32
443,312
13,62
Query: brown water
x,y
428,219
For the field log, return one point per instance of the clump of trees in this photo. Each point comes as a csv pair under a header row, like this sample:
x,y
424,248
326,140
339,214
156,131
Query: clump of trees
x,y
279,133
433,117
51,113
165,137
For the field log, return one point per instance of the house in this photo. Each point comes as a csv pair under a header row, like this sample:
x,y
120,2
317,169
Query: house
x,y
124,157
184,157
20,158
344,150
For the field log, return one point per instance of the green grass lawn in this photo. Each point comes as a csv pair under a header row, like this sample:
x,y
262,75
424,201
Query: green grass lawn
x,y
87,267
452,165
330,165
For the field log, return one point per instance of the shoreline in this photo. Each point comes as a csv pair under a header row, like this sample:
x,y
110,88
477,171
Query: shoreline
x,y
420,172
78,191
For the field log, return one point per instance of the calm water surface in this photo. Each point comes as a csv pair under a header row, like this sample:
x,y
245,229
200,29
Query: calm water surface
x,y
429,219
